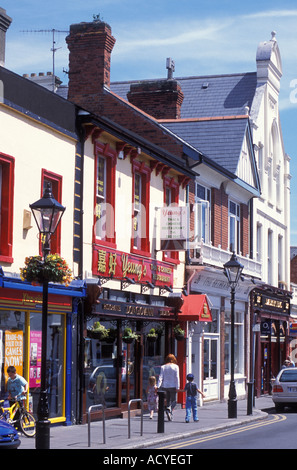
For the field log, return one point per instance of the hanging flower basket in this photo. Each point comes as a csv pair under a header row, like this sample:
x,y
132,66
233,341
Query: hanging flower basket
x,y
98,331
152,335
53,269
129,336
179,333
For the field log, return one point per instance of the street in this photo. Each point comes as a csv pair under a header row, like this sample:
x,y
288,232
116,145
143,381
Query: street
x,y
278,431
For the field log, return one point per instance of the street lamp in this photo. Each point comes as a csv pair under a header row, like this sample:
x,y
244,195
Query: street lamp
x,y
232,270
47,213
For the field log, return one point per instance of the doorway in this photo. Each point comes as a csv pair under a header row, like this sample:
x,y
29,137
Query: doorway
x,y
210,367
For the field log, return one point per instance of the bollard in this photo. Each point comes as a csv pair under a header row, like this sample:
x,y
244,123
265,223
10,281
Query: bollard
x,y
250,398
161,395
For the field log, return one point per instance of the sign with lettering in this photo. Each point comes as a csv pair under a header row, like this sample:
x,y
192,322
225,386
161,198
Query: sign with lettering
x,y
118,265
35,359
13,351
174,228
270,303
128,310
33,300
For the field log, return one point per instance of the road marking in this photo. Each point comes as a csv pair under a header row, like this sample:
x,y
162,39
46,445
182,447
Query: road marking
x,y
273,420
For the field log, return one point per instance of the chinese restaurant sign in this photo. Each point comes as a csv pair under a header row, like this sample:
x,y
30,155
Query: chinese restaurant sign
x,y
174,228
118,265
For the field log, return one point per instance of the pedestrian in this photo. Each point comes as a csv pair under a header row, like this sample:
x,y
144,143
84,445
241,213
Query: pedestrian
x,y
169,382
191,400
291,363
17,386
286,364
152,396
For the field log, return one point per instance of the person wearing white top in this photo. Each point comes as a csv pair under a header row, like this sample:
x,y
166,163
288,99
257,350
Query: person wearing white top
x,y
169,382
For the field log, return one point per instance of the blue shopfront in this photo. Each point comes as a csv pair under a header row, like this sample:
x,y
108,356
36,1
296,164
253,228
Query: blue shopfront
x,y
20,341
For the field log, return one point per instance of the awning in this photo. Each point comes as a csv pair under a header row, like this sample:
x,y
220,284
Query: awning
x,y
195,308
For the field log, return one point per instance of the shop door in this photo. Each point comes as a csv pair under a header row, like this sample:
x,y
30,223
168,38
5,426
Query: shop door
x,y
210,367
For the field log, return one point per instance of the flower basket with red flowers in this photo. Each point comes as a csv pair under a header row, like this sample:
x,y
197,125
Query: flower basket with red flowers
x,y
53,269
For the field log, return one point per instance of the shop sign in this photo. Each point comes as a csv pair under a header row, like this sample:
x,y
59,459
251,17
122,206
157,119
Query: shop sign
x,y
269,303
13,351
174,228
115,264
266,328
33,300
122,309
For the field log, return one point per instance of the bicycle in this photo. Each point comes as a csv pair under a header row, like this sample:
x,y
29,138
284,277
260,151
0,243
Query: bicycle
x,y
24,420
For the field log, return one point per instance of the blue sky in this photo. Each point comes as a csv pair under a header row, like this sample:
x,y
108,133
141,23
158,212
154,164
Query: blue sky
x,y
214,37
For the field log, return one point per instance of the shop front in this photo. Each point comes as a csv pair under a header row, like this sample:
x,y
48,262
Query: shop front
x,y
20,342
117,366
271,311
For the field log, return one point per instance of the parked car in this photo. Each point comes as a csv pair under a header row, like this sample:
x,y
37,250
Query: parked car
x,y
284,390
9,438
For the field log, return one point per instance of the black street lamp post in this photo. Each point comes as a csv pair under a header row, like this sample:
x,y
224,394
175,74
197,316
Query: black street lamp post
x,y
232,270
47,213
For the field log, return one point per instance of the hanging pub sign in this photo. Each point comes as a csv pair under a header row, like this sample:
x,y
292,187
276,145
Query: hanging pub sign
x,y
115,264
174,228
271,304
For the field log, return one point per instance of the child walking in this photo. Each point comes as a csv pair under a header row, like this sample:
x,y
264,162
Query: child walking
x,y
152,397
191,399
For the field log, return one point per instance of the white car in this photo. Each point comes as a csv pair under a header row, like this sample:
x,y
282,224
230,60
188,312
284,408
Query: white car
x,y
284,390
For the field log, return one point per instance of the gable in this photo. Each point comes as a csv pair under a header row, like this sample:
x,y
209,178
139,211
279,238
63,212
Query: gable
x,y
246,168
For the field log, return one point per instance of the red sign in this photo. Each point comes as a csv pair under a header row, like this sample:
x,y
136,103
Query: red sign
x,y
31,300
118,265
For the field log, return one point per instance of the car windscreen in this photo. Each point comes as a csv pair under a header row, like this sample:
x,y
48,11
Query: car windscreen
x,y
289,375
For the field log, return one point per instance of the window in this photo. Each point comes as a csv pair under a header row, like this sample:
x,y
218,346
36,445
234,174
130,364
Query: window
x,y
269,257
140,210
234,227
171,196
104,217
202,214
238,343
56,184
6,207
259,242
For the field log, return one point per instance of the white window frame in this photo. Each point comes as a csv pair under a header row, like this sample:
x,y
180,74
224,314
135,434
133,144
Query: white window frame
x,y
234,226
202,214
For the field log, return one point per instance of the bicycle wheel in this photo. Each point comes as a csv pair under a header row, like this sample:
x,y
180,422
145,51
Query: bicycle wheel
x,y
27,424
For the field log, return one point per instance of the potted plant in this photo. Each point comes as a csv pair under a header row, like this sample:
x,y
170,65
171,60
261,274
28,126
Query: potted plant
x,y
53,269
152,335
129,336
179,333
98,331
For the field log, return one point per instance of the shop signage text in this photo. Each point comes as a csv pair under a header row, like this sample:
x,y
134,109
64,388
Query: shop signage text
x,y
174,228
269,303
118,265
122,309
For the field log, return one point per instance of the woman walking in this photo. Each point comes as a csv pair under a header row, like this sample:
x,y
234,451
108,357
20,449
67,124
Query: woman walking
x,y
169,382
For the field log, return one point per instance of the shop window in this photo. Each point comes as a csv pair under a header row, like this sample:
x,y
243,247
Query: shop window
x,y
104,212
140,222
171,197
238,343
6,207
56,184
12,345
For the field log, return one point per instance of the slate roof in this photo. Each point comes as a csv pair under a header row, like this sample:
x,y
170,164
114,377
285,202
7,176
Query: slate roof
x,y
218,139
208,96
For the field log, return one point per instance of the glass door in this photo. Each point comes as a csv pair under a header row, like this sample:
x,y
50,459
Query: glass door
x,y
210,367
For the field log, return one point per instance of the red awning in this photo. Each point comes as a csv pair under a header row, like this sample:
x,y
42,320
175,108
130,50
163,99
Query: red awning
x,y
195,308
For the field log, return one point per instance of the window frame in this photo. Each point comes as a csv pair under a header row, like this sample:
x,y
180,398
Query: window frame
x,y
169,184
6,208
56,183
236,219
205,205
109,155
144,171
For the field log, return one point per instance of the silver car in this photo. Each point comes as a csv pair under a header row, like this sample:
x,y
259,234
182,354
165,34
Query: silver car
x,y
284,390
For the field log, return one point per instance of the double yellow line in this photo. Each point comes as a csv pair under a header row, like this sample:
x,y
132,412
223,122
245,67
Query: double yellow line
x,y
199,440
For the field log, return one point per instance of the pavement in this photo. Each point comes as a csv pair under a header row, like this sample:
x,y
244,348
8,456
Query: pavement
x,y
213,416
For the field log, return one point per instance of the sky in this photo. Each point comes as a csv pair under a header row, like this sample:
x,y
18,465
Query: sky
x,y
213,37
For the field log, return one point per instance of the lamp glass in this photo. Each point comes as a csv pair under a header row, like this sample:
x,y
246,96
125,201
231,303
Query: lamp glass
x,y
233,269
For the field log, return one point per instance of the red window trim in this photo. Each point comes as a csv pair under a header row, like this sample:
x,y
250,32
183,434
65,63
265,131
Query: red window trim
x,y
169,182
104,150
56,180
7,198
145,172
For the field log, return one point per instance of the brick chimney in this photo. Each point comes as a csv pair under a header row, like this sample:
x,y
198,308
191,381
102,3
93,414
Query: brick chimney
x,y
90,46
162,99
4,25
